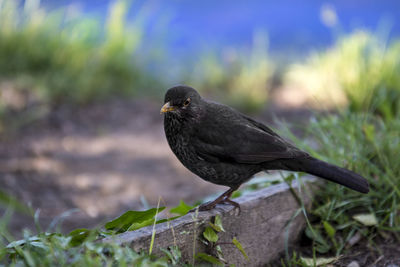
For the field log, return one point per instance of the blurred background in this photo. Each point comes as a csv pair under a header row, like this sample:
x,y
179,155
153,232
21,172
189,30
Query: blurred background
x,y
82,83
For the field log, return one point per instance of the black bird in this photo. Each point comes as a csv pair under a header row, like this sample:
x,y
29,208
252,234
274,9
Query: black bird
x,y
225,147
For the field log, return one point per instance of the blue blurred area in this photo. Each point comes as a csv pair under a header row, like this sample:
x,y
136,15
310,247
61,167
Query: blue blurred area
x,y
291,25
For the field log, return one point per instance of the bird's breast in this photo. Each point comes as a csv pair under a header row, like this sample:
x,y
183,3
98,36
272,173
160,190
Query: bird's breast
x,y
179,137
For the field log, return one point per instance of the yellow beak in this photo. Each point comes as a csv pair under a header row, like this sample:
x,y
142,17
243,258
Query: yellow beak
x,y
167,108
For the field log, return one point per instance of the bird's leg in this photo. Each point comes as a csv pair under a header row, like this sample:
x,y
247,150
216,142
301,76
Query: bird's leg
x,y
224,198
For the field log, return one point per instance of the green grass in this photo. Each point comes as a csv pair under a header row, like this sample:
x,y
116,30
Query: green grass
x,y
360,71
54,250
82,247
358,75
370,146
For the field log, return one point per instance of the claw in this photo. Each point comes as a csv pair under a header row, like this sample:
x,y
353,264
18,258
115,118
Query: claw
x,y
211,205
224,198
233,203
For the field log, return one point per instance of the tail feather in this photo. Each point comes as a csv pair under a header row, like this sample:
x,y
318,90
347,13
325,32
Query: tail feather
x,y
334,173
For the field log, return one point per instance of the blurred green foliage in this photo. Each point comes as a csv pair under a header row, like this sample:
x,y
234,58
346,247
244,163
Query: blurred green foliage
x,y
60,57
360,71
239,78
64,57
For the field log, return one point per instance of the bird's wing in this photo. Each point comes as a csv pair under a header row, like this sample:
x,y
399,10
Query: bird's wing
x,y
226,135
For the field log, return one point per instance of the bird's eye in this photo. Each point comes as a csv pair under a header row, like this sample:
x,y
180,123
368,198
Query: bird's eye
x,y
187,102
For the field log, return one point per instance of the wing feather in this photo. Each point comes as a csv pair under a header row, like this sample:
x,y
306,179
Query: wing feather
x,y
226,135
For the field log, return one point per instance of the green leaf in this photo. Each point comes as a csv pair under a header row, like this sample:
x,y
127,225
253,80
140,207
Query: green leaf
x,y
240,247
133,220
37,241
138,225
219,255
22,242
209,258
321,245
218,222
315,235
167,219
78,236
217,225
366,219
210,235
329,229
39,245
182,208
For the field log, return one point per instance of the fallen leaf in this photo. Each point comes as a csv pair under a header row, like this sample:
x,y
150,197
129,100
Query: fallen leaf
x,y
318,261
366,219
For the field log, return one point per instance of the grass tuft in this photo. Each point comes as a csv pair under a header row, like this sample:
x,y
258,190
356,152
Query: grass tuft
x,y
370,146
360,71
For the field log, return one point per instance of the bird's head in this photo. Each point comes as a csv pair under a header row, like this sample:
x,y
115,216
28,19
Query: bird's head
x,y
181,100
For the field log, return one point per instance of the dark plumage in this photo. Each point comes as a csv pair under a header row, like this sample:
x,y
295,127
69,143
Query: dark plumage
x,y
225,147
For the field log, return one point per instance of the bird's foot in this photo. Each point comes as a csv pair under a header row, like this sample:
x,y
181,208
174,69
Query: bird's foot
x,y
224,198
212,204
233,203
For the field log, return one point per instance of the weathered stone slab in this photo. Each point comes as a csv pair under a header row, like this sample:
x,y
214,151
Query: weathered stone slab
x,y
260,227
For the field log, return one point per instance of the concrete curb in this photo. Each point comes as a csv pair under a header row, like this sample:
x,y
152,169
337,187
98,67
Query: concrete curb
x,y
265,219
